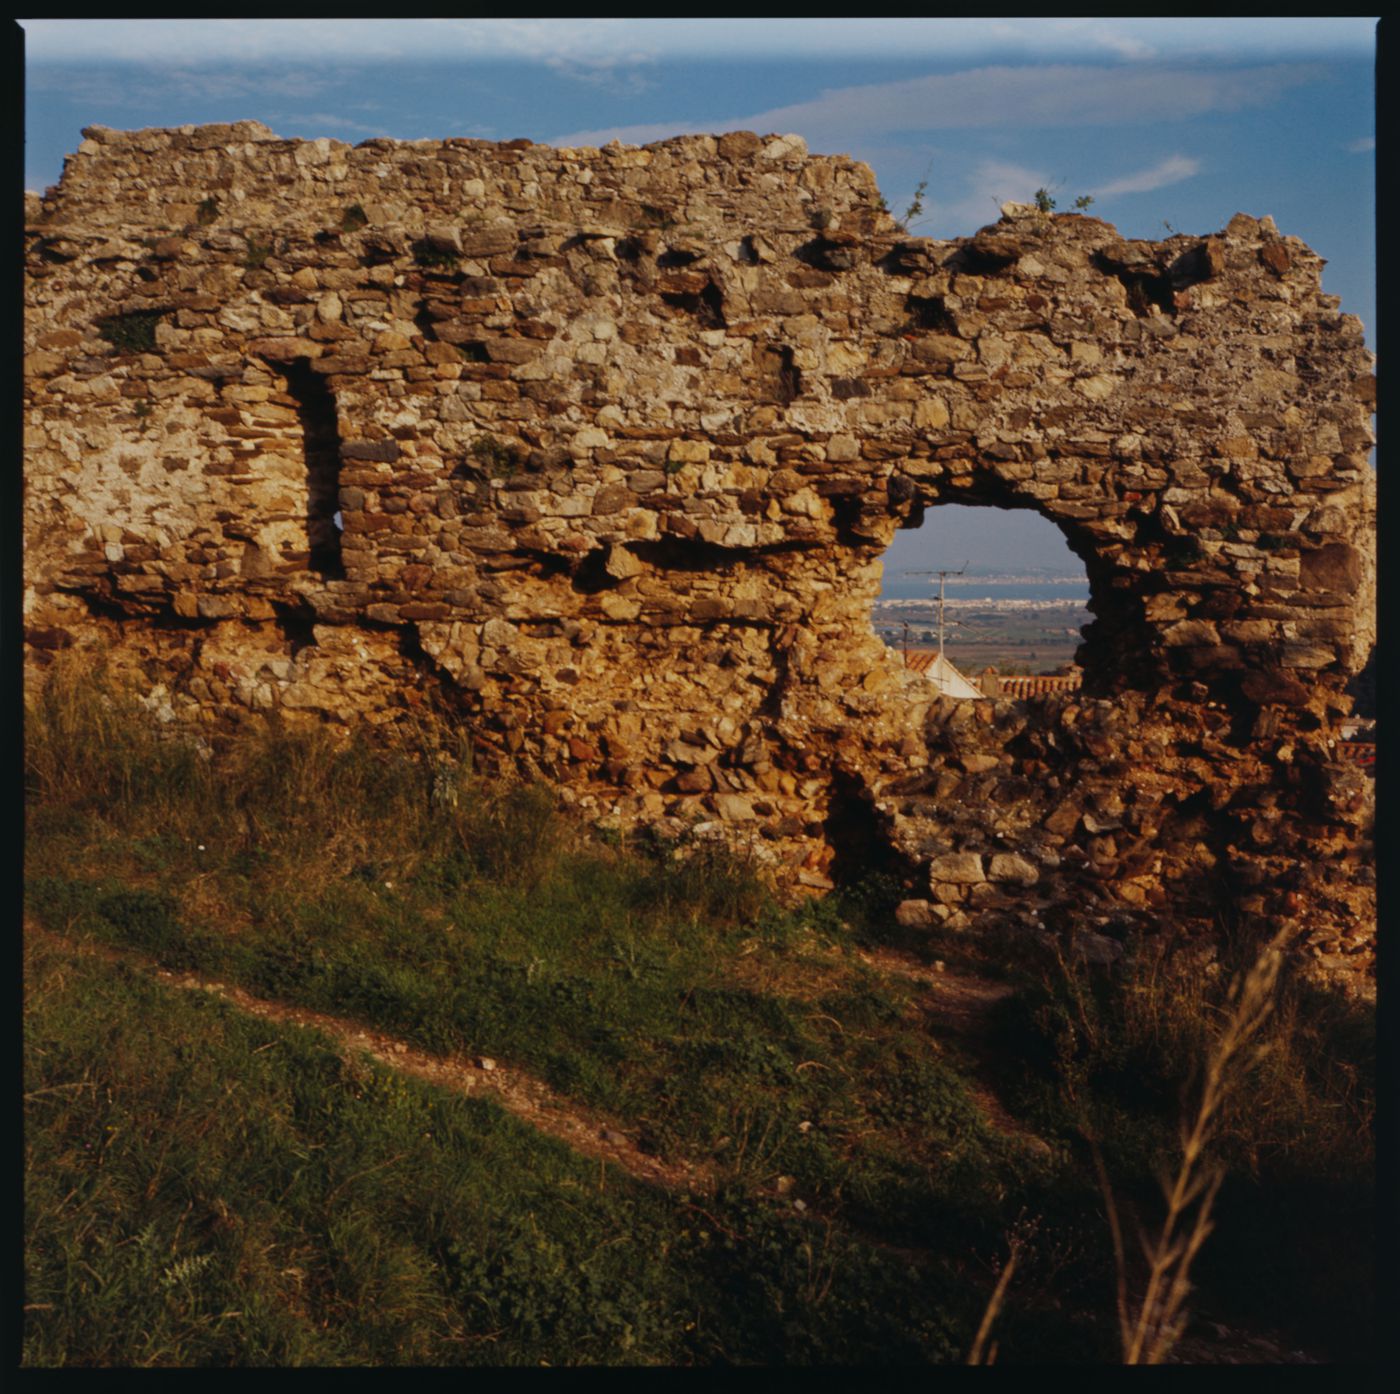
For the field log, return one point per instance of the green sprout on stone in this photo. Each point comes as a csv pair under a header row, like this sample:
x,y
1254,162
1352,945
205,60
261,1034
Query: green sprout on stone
x,y
495,457
432,258
916,203
257,253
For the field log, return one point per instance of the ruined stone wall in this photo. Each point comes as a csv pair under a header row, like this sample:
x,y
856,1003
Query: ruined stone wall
x,y
616,439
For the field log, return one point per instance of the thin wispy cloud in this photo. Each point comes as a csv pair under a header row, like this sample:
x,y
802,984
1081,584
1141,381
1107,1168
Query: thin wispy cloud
x,y
622,76
994,97
1172,170
142,88
1364,146
326,120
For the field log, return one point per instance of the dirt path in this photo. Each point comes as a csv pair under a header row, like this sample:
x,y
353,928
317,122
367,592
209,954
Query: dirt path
x,y
585,1130
959,1003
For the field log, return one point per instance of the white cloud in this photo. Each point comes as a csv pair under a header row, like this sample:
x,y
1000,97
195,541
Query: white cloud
x,y
1056,95
235,41
1124,47
993,183
948,39
1172,170
1364,146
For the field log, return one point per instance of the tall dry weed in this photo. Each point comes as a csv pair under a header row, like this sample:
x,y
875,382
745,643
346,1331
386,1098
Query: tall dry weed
x,y
1150,1325
90,744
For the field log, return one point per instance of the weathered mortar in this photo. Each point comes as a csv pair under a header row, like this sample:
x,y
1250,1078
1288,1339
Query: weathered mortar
x,y
618,437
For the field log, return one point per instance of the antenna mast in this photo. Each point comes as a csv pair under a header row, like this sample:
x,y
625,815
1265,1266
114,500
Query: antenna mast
x,y
942,575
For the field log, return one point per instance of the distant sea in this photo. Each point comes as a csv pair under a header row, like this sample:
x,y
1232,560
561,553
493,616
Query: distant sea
x,y
968,588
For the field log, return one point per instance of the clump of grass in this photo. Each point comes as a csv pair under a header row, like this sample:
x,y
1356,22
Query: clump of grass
x,y
1045,203
90,747
494,457
257,252
434,258
915,208
224,1191
132,332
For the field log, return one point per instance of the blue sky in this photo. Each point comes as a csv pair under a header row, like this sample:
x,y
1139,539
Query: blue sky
x,y
1182,122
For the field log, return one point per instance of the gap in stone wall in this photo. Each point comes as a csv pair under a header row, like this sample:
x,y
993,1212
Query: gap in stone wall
x,y
320,428
1019,605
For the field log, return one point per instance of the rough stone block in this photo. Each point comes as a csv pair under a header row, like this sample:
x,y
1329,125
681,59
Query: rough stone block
x,y
957,869
1011,866
917,914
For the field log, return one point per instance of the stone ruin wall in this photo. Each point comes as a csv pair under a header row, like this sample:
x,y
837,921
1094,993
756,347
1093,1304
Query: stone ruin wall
x,y
617,438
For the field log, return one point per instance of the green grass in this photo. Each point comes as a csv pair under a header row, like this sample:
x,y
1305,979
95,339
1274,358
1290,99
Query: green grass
x,y
223,1191
133,332
432,258
593,978
257,253
666,989
661,984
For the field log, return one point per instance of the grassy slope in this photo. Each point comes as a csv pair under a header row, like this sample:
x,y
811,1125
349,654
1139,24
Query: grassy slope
x,y
222,1191
669,992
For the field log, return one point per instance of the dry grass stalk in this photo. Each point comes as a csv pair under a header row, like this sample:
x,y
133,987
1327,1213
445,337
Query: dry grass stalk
x,y
1149,1334
979,1345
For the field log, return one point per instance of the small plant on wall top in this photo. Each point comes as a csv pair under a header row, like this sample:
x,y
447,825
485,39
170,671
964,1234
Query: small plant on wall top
x,y
1046,205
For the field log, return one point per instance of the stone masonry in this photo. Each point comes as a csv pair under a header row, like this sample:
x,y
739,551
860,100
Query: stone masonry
x,y
593,454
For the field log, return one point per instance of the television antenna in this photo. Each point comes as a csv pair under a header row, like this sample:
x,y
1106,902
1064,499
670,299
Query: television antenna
x,y
942,576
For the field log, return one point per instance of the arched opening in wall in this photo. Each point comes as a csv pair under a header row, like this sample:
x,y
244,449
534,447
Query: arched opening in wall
x,y
320,433
1015,599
